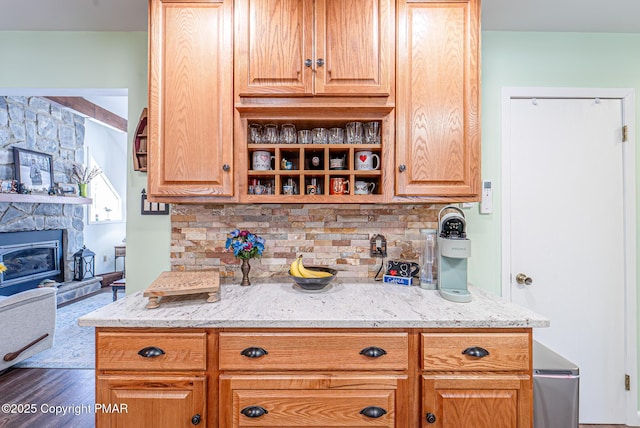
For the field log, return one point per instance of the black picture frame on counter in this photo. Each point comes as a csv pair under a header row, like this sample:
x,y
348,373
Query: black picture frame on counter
x,y
33,170
152,208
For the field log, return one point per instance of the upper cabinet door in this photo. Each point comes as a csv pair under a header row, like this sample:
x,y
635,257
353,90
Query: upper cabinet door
x,y
190,99
354,47
313,47
437,108
274,38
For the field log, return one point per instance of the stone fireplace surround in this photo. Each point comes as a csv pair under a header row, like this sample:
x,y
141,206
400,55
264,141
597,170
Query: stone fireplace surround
x,y
37,124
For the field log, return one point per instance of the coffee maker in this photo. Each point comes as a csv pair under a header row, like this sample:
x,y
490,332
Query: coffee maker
x,y
453,251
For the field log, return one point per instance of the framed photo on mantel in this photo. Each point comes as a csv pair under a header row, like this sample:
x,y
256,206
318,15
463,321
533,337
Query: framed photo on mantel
x,y
34,170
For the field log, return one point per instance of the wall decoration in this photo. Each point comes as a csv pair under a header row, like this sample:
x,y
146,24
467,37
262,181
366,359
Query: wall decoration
x,y
33,170
152,208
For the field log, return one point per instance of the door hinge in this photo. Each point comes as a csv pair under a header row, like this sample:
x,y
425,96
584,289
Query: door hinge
x,y
625,133
627,383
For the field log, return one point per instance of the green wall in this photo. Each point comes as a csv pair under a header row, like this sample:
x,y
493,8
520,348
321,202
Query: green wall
x,y
96,60
524,59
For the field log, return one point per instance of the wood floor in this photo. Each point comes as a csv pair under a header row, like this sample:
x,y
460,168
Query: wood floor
x,y
35,393
73,390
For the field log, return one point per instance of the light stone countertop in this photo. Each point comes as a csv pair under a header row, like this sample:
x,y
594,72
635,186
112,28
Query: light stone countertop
x,y
344,305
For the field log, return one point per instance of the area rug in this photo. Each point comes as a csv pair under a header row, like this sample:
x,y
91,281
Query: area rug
x,y
73,346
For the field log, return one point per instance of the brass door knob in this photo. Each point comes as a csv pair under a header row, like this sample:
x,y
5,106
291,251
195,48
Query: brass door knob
x,y
523,279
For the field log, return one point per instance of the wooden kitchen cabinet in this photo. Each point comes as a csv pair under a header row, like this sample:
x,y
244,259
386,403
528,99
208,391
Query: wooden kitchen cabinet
x,y
314,379
231,377
190,147
156,378
151,400
477,378
438,99
314,47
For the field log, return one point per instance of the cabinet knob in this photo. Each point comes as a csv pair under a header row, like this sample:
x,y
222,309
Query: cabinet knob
x,y
308,62
150,352
373,412
476,351
402,168
196,419
254,352
431,418
226,167
320,62
373,352
254,411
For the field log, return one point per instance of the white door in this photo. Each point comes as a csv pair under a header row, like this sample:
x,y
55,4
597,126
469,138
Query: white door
x,y
567,234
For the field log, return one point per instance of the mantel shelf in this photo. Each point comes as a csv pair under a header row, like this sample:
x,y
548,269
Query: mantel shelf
x,y
43,199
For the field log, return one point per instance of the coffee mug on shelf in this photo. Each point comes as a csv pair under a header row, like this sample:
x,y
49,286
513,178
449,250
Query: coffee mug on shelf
x,y
337,162
338,186
365,160
363,187
261,160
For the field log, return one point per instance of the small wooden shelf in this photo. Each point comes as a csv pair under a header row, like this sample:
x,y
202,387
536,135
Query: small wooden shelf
x,y
44,199
140,144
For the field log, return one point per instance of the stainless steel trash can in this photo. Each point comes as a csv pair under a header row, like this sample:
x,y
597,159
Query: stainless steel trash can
x,y
555,389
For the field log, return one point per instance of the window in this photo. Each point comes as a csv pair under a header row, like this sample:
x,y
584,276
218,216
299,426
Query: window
x,y
107,204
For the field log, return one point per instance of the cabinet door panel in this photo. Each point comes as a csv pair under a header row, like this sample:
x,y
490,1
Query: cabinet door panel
x,y
190,99
438,94
273,40
483,401
353,38
151,401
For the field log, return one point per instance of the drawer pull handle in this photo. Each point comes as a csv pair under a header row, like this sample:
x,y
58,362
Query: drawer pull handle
x,y
476,351
373,412
150,352
254,411
373,352
431,418
195,420
254,352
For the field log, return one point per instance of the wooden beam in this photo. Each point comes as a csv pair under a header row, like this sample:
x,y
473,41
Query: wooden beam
x,y
90,109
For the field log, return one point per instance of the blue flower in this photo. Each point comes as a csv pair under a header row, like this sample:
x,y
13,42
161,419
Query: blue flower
x,y
245,244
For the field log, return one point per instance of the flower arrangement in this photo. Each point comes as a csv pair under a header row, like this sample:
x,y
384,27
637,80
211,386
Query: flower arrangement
x,y
3,268
83,175
245,244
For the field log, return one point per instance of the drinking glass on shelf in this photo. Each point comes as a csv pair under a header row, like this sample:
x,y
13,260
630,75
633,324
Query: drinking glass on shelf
x,y
304,136
336,136
355,134
255,133
372,132
319,135
288,134
270,134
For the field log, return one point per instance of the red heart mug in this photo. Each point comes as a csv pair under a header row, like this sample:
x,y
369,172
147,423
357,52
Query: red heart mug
x,y
366,160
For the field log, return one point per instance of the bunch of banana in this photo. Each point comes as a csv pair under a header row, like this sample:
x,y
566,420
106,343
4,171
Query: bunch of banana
x,y
298,269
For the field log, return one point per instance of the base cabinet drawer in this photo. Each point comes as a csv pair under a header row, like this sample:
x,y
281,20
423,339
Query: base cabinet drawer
x,y
314,351
309,401
151,351
482,401
476,351
151,401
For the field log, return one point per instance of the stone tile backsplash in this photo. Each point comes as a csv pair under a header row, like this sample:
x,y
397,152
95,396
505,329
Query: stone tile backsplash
x,y
333,235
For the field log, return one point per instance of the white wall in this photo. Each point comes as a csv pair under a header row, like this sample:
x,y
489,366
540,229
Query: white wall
x,y
109,148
